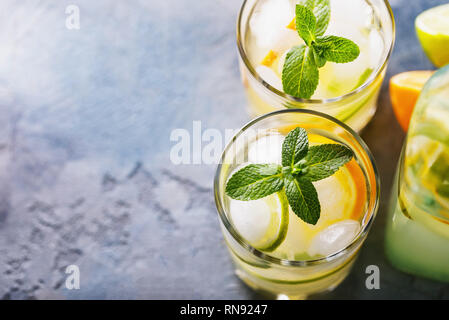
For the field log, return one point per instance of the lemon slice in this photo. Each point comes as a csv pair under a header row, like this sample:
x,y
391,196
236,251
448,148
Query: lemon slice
x,y
432,27
426,169
264,222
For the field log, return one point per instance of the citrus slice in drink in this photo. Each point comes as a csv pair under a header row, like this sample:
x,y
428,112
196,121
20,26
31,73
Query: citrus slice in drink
x,y
405,89
428,160
439,171
264,222
432,27
426,169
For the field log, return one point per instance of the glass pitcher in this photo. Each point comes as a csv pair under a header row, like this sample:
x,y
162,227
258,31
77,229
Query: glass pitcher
x,y
417,236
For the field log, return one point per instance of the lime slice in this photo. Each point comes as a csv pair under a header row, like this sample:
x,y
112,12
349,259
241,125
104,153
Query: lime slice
x,y
363,77
264,222
432,27
429,161
436,224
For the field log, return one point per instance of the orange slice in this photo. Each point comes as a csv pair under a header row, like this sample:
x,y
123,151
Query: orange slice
x,y
404,92
360,187
269,59
292,24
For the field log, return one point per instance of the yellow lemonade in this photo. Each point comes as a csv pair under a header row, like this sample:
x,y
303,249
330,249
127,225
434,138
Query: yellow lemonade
x,y
302,251
347,91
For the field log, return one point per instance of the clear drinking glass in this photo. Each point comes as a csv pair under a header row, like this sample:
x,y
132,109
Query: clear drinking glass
x,y
284,273
348,91
417,237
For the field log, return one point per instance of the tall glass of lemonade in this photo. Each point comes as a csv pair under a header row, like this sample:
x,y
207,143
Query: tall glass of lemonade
x,y
266,32
274,251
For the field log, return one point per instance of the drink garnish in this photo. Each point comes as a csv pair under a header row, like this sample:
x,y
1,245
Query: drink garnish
x,y
301,165
300,74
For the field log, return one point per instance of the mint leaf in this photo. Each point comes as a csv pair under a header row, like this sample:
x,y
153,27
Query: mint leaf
x,y
305,24
300,73
318,56
295,147
255,181
322,11
324,160
303,199
337,49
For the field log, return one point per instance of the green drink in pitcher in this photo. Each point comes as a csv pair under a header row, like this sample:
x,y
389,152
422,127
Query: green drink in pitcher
x,y
417,239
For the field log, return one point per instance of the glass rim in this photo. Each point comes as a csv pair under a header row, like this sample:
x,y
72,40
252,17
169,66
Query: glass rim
x,y
285,262
283,95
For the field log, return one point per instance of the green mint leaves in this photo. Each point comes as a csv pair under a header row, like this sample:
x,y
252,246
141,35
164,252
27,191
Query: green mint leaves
x,y
321,9
295,147
303,198
337,49
300,74
255,181
324,160
305,24
301,166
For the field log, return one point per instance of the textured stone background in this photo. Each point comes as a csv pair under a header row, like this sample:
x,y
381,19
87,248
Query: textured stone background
x,y
85,178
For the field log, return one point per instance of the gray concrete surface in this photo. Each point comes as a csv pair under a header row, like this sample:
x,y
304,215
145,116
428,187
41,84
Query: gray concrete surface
x,y
85,177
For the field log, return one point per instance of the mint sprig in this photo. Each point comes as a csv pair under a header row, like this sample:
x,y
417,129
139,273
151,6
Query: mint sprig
x,y
300,75
301,165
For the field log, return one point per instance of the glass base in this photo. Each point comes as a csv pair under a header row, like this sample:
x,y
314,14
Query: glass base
x,y
278,290
415,249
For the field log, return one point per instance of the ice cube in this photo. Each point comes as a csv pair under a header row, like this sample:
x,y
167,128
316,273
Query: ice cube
x,y
376,48
285,39
334,238
335,195
270,77
352,20
349,17
251,218
282,61
267,149
269,22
